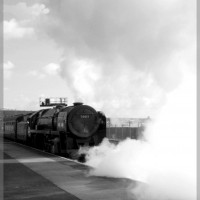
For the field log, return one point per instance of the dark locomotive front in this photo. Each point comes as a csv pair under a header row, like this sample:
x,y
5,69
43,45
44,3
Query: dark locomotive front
x,y
63,130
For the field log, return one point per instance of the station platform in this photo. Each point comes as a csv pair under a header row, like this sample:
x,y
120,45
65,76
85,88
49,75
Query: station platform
x,y
20,182
31,174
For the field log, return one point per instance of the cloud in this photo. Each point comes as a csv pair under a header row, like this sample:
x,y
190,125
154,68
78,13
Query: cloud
x,y
24,10
135,48
8,69
24,19
13,29
52,69
39,9
37,74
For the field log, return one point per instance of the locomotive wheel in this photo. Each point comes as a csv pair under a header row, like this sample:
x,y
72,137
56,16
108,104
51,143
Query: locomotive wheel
x,y
32,140
28,141
55,146
53,149
82,158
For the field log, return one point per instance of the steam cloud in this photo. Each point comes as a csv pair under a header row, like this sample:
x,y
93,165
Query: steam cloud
x,y
166,160
122,55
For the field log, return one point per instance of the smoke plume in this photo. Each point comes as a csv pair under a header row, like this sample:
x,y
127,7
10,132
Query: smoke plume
x,y
122,55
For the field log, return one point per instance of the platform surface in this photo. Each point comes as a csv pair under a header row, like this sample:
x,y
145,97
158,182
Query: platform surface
x,y
31,174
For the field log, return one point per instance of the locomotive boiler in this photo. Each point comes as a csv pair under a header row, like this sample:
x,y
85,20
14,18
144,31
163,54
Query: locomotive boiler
x,y
60,130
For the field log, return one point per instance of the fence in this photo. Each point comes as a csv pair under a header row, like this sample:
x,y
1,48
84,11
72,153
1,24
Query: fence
x,y
121,128
121,133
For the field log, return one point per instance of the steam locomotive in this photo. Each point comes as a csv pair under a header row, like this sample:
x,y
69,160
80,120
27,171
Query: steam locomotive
x,y
60,130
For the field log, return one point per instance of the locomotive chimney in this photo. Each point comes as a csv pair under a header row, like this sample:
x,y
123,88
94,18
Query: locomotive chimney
x,y
78,103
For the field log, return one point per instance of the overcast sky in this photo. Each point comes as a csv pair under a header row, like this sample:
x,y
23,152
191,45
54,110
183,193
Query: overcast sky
x,y
120,56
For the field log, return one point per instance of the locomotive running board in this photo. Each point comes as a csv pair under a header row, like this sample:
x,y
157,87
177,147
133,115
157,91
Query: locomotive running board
x,y
45,132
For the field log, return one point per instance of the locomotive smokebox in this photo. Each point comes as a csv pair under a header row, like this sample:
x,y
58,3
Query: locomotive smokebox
x,y
82,120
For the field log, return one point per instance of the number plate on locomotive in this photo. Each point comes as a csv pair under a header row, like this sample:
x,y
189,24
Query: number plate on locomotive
x,y
85,116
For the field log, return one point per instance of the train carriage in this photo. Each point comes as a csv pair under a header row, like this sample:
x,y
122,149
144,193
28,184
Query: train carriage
x,y
16,127
9,127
